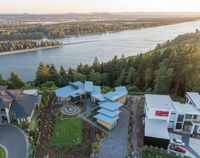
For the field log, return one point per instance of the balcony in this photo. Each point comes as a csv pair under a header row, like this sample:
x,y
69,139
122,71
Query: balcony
x,y
196,121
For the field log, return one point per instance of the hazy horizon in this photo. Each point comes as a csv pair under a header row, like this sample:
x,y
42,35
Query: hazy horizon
x,y
96,6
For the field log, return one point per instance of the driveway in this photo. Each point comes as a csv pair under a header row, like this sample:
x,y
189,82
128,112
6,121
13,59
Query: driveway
x,y
14,140
115,145
192,145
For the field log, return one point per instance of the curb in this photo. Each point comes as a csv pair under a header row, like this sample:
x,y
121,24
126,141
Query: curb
x,y
25,136
6,151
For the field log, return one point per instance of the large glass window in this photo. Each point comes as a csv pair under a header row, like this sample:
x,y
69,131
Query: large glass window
x,y
195,117
179,126
187,116
180,118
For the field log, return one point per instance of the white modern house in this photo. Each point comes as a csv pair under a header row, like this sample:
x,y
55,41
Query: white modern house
x,y
162,114
179,117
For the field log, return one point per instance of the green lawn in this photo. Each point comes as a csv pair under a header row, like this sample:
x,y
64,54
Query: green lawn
x,y
149,153
68,131
2,153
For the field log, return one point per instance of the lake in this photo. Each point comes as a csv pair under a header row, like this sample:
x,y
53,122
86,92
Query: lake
x,y
104,46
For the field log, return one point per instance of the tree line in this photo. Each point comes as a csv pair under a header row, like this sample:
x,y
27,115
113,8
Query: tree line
x,y
39,31
25,44
171,68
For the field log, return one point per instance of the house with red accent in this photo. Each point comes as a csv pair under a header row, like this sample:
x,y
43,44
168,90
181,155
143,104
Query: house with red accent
x,y
176,116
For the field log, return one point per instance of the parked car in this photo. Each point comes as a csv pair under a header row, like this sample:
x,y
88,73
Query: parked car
x,y
177,142
178,148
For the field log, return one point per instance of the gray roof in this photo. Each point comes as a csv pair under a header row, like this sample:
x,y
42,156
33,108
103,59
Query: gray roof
x,y
3,87
156,128
195,97
24,106
186,108
159,101
2,105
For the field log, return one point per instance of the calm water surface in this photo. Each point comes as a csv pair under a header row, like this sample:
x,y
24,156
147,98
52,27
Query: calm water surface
x,y
105,47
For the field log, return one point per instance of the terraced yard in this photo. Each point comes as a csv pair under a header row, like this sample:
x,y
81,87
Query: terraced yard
x,y
68,131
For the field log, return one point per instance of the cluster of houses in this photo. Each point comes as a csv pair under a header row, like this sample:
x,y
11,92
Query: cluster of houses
x,y
109,104
163,114
17,104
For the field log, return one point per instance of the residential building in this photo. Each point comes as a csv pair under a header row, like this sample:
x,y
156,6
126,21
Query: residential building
x,y
109,103
179,117
17,104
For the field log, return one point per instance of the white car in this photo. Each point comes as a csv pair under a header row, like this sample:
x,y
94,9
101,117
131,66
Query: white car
x,y
177,142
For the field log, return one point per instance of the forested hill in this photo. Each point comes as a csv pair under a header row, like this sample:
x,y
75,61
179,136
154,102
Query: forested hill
x,y
172,67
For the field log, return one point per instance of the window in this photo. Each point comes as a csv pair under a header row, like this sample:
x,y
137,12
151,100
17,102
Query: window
x,y
180,118
195,117
179,126
187,116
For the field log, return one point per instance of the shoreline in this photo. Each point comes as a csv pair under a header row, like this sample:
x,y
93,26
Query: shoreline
x,y
40,48
81,42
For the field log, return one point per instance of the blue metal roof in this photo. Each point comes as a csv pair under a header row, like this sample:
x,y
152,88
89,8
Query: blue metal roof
x,y
97,90
88,86
109,113
121,89
99,97
65,92
113,96
97,93
106,119
77,93
109,105
79,84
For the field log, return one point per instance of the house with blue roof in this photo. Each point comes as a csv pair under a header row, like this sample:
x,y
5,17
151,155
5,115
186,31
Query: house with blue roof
x,y
109,111
109,104
108,114
76,91
119,95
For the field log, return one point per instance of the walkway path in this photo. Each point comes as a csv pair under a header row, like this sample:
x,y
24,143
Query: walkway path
x,y
137,129
92,123
14,140
186,138
115,145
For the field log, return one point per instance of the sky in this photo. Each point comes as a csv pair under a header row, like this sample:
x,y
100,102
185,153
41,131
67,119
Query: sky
x,y
85,6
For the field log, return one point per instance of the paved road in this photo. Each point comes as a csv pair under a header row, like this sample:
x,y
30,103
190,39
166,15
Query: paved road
x,y
189,146
14,140
115,145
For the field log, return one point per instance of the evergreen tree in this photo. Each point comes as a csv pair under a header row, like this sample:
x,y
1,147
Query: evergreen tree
x,y
15,81
63,75
122,78
96,63
163,80
42,74
52,70
131,76
1,77
95,77
42,71
62,72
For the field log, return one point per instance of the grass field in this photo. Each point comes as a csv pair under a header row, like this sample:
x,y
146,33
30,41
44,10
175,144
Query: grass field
x,y
2,153
68,131
149,153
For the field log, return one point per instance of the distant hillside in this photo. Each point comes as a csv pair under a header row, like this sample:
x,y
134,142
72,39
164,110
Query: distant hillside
x,y
97,16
